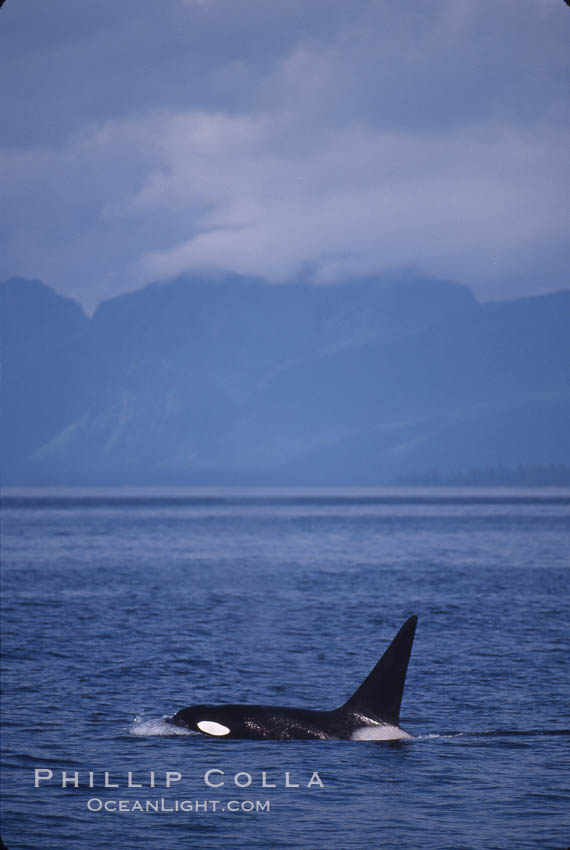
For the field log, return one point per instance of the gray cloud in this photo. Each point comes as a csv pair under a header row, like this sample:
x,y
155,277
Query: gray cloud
x,y
146,139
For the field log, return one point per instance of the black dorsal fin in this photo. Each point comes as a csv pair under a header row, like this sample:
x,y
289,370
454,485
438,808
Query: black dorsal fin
x,y
380,695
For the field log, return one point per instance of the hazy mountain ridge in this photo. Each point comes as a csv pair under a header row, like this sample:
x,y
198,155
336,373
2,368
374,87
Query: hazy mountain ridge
x,y
36,321
231,380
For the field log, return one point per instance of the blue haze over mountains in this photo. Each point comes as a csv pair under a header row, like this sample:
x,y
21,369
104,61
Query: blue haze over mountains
x,y
228,380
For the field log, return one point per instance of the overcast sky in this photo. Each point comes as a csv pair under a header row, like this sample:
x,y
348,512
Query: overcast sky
x,y
330,138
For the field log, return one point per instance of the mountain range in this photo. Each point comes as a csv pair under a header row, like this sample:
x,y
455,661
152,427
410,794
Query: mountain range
x,y
230,380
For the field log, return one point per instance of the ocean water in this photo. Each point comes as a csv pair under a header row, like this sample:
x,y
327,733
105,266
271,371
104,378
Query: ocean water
x,y
122,606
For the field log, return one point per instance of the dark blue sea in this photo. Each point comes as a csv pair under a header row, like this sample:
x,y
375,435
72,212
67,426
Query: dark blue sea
x,y
122,606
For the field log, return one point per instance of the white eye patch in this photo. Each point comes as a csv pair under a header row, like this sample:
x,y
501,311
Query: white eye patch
x,y
210,727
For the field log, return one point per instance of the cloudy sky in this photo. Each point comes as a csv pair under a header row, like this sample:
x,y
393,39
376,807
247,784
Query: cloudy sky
x,y
328,138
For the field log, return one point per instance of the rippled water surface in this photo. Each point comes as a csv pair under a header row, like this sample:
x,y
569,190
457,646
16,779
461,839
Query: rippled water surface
x,y
121,607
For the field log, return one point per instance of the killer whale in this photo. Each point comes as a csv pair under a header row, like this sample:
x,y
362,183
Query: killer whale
x,y
371,713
